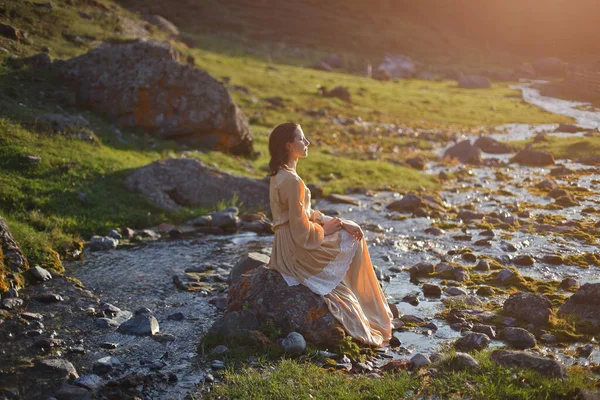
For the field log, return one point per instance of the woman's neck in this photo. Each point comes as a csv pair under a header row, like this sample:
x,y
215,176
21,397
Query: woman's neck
x,y
291,164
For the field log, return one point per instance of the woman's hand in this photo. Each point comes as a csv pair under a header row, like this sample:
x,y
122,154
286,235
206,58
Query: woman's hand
x,y
353,229
332,226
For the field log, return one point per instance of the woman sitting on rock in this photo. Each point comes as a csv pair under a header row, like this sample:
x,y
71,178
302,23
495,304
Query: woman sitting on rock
x,y
327,255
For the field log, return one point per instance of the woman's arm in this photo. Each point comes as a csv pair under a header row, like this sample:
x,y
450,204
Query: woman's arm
x,y
306,233
353,229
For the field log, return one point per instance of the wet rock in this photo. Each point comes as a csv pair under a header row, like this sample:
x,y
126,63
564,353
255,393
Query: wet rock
x,y
29,316
114,234
220,350
556,193
89,381
474,82
290,308
523,260
420,269
492,146
104,323
339,92
99,243
567,201
487,291
517,338
109,345
176,183
548,338
140,325
412,299
248,263
408,203
48,298
465,152
105,365
40,274
468,215
561,170
568,128
472,341
489,330
114,79
178,316
455,291
553,259
472,301
528,307
585,351
419,361
591,160
71,392
584,305
542,365
506,275
294,344
463,361
569,283
341,199
56,368
431,290
217,364
547,184
533,158
435,231
469,257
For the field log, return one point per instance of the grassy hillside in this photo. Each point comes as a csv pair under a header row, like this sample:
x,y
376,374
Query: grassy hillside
x,y
45,203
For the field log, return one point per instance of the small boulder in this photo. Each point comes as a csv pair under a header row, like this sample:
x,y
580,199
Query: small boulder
x,y
419,361
472,341
247,263
492,146
100,243
543,365
518,338
465,152
339,92
528,307
533,158
294,344
584,305
140,325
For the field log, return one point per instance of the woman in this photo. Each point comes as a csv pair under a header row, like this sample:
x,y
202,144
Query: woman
x,y
327,255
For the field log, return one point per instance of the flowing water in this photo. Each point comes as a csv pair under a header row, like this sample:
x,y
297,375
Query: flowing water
x,y
142,276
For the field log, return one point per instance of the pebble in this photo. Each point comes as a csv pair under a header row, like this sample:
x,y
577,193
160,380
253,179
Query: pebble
x,y
217,364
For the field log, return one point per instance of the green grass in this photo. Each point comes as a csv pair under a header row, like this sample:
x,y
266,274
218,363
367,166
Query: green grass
x,y
290,379
567,147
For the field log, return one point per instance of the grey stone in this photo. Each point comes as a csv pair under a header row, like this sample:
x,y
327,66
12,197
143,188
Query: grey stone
x,y
105,365
71,392
585,306
48,298
220,349
106,323
419,361
528,307
431,290
140,325
89,381
455,291
464,361
114,234
99,243
40,273
487,329
11,303
248,263
465,152
543,365
473,341
56,368
294,344
518,338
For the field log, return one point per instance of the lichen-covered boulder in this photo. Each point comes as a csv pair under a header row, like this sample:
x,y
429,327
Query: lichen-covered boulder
x,y
585,306
545,366
141,84
176,183
290,308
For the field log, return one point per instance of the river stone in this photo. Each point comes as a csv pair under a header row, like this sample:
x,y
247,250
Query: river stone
x,y
40,273
290,308
492,146
247,263
528,307
569,283
294,344
56,368
226,218
523,260
419,361
533,158
48,298
176,183
465,152
455,291
544,366
140,325
505,275
585,351
408,203
518,338
472,341
99,243
566,201
141,84
487,329
342,199
11,303
463,361
431,290
585,306
422,268
553,259
106,323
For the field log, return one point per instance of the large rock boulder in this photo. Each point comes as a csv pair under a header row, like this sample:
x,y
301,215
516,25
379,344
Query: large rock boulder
x,y
291,308
584,305
533,158
492,146
12,258
528,307
141,84
465,152
173,183
544,366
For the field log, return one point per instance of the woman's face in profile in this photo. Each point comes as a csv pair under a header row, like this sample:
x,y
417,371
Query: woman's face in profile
x,y
299,147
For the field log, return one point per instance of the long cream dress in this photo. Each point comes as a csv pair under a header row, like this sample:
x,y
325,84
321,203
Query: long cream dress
x,y
335,266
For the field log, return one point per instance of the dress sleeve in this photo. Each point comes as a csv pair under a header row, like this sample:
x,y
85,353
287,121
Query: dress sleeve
x,y
306,234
